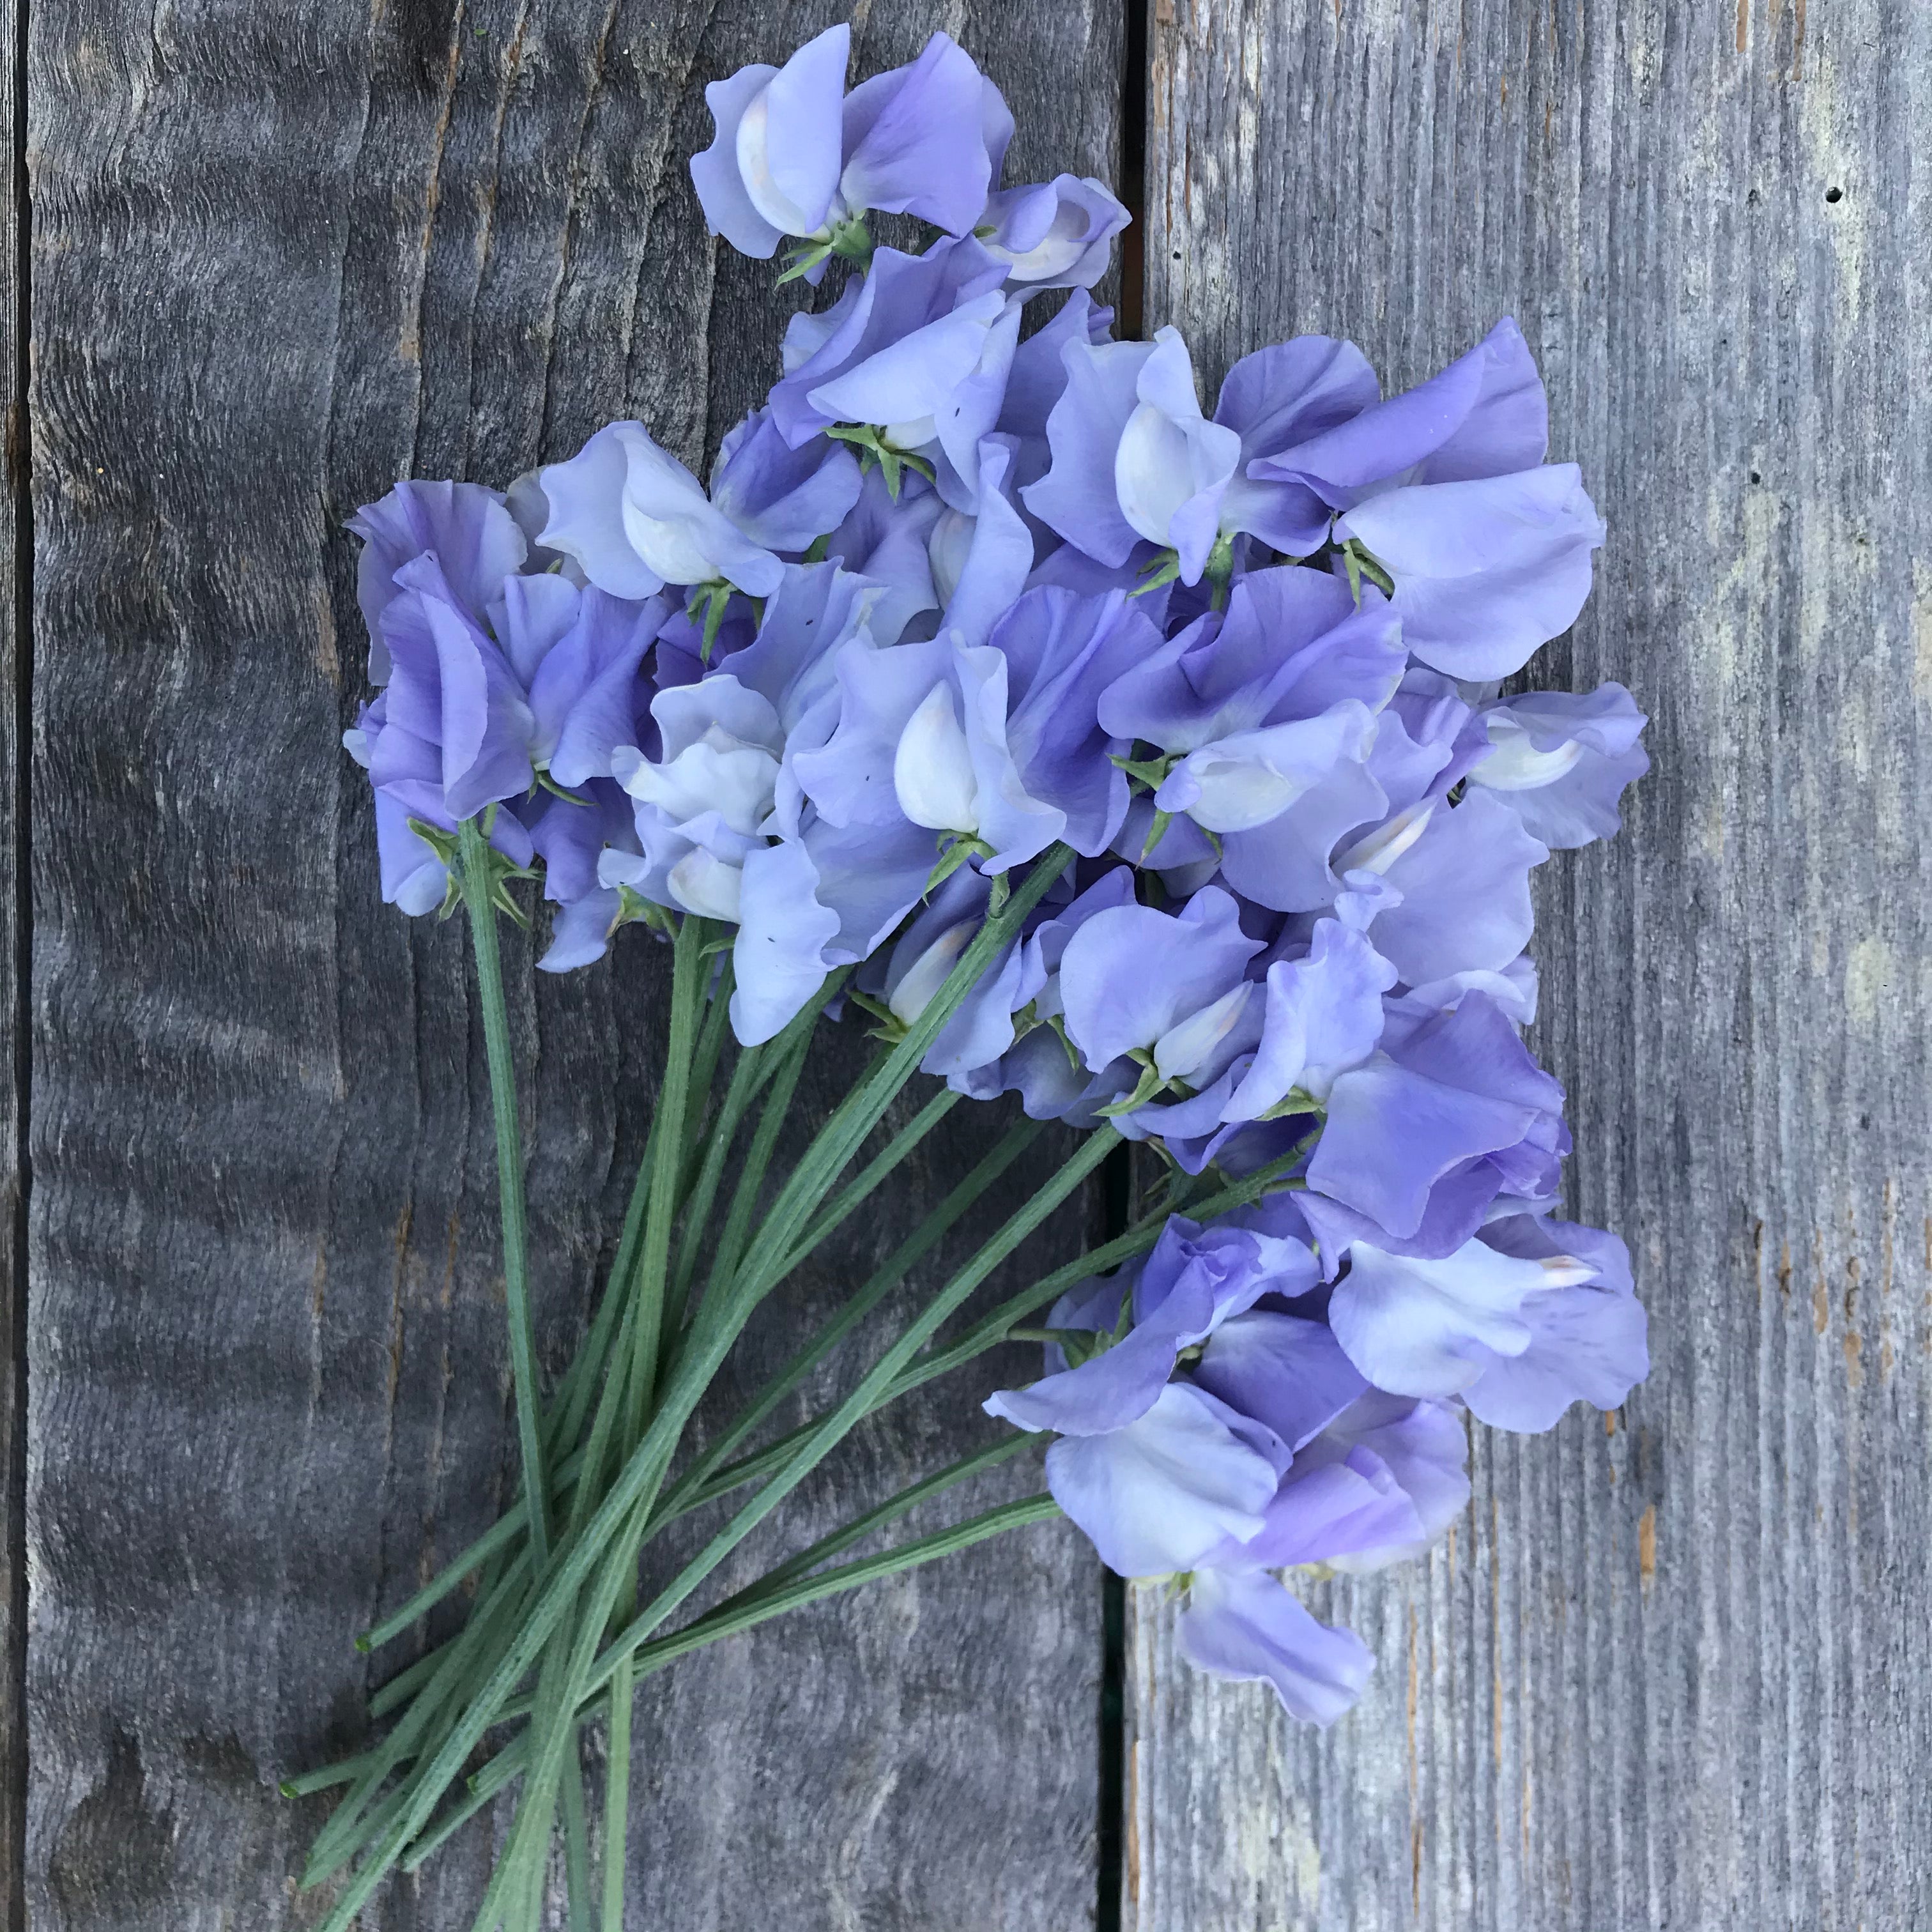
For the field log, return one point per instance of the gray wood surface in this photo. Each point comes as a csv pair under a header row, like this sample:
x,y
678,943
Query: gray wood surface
x,y
282,257
14,657
1676,1672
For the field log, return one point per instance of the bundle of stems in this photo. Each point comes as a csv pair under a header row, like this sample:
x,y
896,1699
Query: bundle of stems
x,y
556,1638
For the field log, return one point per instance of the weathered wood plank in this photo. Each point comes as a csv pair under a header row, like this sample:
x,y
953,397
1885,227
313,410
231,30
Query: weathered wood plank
x,y
1677,1674
15,561
283,257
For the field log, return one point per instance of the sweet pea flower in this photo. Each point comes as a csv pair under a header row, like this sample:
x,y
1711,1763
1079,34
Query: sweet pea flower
x,y
996,743
917,354
634,519
980,563
1134,459
1445,487
1381,1481
1560,761
1323,1017
1450,1113
885,538
795,154
573,837
711,795
1057,234
1169,988
1512,1321
467,529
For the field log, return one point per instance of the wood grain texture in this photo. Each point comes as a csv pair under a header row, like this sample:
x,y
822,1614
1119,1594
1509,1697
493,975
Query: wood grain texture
x,y
283,256
15,655
1676,1673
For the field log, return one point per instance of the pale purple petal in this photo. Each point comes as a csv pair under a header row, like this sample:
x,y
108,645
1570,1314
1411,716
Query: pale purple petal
x,y
465,527
1485,570
1250,1627
1156,1496
1465,884
915,138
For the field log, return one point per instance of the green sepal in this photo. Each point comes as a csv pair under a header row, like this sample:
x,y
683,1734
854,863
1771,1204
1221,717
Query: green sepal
x,y
1151,1084
869,440
816,550
715,597
803,261
1218,570
1165,568
1156,831
1151,772
556,790
441,843
1360,562
962,846
633,908
1294,1101
890,1028
850,240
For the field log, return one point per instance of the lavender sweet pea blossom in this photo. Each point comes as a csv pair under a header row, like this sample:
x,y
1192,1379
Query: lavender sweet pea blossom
x,y
1512,1321
1170,988
634,519
919,351
467,529
1449,1113
795,154
1446,487
1204,1434
997,743
1134,459
1057,234
1561,762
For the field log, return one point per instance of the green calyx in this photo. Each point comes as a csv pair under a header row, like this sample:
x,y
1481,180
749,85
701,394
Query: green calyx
x,y
498,870
1164,569
634,909
1294,1101
869,440
1219,570
1152,1083
850,240
956,849
713,598
1080,1346
1359,563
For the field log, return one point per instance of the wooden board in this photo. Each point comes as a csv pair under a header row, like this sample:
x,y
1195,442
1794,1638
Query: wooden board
x,y
282,257
1675,1672
16,656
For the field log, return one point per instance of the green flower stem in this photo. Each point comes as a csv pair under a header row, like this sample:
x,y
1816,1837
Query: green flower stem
x,y
474,868
689,970
976,1463
348,1826
725,1622
875,1171
914,1249
690,1374
738,1219
744,1612
555,1740
710,1051
400,1688
755,1067
688,973
344,1771
576,1851
702,1487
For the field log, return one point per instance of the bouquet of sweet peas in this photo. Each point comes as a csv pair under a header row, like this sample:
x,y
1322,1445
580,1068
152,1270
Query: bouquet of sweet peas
x,y
1148,764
